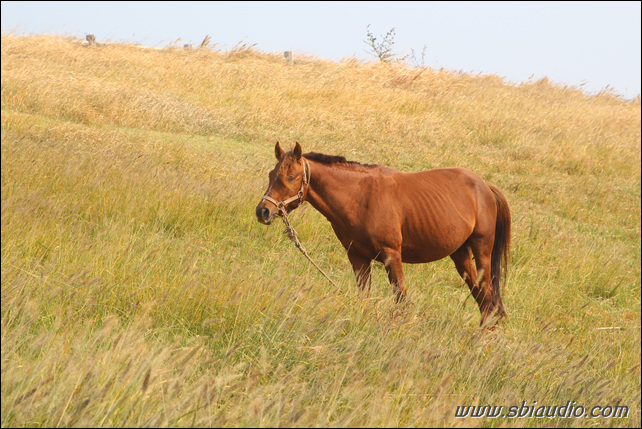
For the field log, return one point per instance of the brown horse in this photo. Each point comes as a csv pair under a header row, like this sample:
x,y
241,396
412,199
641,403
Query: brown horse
x,y
393,217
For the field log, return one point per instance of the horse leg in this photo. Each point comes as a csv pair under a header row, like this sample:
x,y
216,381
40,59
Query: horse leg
x,y
482,290
362,269
394,268
482,252
463,260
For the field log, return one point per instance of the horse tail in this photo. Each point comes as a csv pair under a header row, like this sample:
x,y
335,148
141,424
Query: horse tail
x,y
501,248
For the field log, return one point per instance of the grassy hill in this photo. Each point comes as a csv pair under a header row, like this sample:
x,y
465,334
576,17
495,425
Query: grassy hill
x,y
139,290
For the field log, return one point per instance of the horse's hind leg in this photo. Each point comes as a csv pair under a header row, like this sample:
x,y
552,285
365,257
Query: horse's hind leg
x,y
471,273
463,259
482,250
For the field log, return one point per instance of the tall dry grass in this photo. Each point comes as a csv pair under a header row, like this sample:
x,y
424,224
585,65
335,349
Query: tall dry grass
x,y
138,289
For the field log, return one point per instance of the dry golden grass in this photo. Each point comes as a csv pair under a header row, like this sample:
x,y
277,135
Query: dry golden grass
x,y
138,289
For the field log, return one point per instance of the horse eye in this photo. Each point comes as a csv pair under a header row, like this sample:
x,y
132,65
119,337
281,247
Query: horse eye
x,y
290,178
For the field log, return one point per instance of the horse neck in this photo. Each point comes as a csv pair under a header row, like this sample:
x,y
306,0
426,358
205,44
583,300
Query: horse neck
x,y
330,191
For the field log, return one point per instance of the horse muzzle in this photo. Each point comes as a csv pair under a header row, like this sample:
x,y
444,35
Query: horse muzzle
x,y
264,214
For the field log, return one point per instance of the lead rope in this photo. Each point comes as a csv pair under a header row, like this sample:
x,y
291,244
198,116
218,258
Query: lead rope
x,y
289,230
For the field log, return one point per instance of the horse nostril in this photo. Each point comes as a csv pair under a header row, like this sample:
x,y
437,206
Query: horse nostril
x,y
263,213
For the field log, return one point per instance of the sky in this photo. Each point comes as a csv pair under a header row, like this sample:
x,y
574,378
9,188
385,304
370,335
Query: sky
x,y
588,45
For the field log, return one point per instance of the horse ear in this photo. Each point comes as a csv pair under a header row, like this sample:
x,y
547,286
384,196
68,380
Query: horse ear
x,y
278,151
298,152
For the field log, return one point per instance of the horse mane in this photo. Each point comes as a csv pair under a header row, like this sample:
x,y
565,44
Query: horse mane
x,y
334,160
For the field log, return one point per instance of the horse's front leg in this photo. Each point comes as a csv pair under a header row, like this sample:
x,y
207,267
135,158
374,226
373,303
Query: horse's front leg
x,y
362,269
392,262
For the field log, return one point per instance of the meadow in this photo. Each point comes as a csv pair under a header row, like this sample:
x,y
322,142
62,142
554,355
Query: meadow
x,y
138,289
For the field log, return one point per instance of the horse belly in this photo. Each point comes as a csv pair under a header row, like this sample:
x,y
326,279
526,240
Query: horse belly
x,y
429,249
435,229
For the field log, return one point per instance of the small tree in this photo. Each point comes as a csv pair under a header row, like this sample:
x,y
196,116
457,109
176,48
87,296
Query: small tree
x,y
417,62
383,49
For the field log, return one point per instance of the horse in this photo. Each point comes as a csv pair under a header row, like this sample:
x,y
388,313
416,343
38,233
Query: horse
x,y
380,214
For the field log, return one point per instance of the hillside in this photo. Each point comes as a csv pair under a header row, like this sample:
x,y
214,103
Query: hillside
x,y
138,289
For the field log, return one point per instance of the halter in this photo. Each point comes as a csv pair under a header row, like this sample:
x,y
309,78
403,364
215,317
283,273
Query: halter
x,y
280,205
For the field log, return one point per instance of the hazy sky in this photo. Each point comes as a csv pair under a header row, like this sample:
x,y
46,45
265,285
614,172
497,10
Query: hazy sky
x,y
590,45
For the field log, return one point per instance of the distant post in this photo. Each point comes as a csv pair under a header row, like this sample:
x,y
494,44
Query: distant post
x,y
288,56
91,39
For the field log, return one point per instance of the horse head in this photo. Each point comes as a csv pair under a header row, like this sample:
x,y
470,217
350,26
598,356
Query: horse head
x,y
288,184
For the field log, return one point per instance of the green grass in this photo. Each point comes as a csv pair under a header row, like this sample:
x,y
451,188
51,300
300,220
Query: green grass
x,y
139,290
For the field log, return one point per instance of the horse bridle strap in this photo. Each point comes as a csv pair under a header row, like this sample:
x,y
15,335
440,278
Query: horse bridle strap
x,y
299,195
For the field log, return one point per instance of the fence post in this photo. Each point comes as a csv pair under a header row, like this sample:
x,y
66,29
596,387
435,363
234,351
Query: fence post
x,y
288,56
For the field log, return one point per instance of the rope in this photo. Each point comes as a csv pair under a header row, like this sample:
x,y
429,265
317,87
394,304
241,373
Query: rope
x,y
289,230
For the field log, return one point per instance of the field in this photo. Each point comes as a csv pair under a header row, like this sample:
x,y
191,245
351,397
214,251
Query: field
x,y
138,289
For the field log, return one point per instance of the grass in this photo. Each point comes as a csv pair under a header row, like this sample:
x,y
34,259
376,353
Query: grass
x,y
139,290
